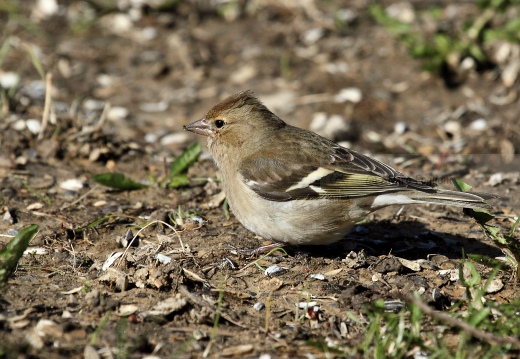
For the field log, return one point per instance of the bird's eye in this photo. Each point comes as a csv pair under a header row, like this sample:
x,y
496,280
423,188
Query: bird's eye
x,y
219,123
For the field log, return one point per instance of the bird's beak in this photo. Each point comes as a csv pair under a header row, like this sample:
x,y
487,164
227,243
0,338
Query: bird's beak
x,y
200,127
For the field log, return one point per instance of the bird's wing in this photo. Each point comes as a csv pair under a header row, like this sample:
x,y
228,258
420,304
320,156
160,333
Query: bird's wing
x,y
336,173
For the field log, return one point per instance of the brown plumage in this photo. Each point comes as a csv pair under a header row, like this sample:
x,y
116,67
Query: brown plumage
x,y
292,185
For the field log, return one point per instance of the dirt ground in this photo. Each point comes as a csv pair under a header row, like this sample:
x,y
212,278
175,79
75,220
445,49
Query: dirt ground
x,y
159,70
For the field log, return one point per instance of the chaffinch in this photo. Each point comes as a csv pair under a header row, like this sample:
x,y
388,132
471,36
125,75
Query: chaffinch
x,y
293,186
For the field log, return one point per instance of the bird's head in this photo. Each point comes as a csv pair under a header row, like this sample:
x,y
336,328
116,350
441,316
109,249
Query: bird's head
x,y
235,120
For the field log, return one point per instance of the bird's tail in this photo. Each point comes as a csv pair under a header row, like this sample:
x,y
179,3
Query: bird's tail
x,y
454,198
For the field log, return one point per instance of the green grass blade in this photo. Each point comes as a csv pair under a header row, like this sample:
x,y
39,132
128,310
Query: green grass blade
x,y
13,251
118,181
185,160
517,222
178,181
36,62
93,224
461,185
33,191
95,334
6,45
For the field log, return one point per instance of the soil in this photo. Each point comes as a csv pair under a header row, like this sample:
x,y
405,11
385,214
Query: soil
x,y
159,70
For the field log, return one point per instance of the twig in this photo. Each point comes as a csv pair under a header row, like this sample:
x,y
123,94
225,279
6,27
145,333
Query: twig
x,y
80,198
47,105
97,127
480,334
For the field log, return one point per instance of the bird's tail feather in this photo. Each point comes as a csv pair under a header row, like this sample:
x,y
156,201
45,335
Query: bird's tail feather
x,y
453,198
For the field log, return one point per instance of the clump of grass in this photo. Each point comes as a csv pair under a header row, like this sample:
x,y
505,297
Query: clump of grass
x,y
443,51
175,178
506,242
421,329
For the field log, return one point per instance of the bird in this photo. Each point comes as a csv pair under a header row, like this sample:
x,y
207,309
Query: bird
x,y
293,186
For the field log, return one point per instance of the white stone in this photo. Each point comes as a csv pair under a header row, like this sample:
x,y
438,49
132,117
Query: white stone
x,y
117,113
175,138
313,35
19,125
350,94
34,126
9,79
478,125
72,184
318,276
319,120
400,128
47,8
274,270
153,106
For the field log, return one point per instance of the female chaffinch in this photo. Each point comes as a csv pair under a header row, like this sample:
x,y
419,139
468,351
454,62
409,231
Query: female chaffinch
x,y
293,186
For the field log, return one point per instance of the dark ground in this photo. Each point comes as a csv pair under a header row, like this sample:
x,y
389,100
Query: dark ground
x,y
165,69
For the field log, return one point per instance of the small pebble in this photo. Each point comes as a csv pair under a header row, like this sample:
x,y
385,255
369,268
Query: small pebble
x,y
346,15
8,217
163,258
305,305
351,94
319,120
400,128
495,286
34,126
478,125
178,138
36,251
258,306
510,73
436,294
148,33
47,8
151,137
393,306
34,206
153,107
117,113
93,105
452,127
128,239
12,232
35,89
468,64
496,179
9,79
19,125
421,355
72,184
313,35
318,276
274,270
118,23
105,80
401,11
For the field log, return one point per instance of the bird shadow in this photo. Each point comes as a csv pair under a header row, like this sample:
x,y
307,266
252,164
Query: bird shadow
x,y
407,239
